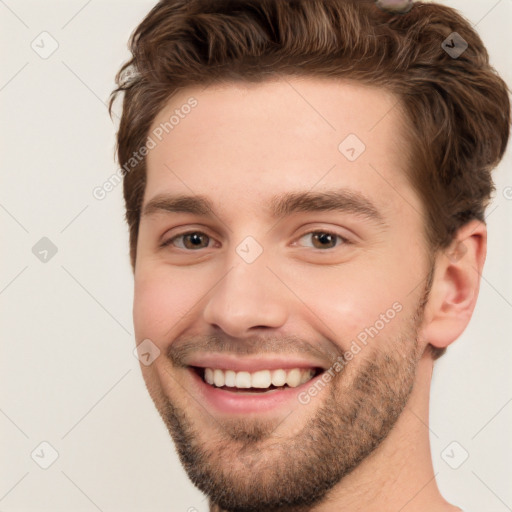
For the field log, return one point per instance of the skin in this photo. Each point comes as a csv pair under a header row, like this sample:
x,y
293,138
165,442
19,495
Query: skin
x,y
241,145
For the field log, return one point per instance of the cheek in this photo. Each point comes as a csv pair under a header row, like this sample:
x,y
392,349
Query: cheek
x,y
161,300
342,305
351,309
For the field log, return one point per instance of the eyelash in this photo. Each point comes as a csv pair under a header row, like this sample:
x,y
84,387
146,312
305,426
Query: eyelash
x,y
344,240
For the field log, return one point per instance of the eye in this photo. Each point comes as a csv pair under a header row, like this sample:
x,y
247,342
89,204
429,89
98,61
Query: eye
x,y
194,240
325,239
188,241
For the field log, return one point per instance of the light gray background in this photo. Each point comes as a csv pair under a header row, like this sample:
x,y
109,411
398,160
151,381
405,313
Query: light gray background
x,y
68,375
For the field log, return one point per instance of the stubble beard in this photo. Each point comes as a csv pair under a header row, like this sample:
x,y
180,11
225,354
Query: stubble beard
x,y
249,467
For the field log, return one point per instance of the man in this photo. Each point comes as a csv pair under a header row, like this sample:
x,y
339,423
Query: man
x,y
305,184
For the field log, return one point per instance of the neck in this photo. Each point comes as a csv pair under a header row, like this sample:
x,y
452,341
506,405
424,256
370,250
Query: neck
x,y
399,474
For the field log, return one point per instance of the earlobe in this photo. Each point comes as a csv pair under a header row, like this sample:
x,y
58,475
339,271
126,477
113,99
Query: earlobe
x,y
455,285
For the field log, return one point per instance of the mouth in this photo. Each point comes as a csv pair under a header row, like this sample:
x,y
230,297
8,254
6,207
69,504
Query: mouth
x,y
261,381
237,391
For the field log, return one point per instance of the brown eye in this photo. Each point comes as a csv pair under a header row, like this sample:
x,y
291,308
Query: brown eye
x,y
324,239
189,241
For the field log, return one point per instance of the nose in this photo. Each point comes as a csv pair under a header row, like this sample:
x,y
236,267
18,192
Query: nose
x,y
249,297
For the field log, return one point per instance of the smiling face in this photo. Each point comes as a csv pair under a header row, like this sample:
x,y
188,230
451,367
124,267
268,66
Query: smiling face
x,y
281,268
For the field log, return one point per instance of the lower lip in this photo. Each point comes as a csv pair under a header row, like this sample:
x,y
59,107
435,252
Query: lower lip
x,y
238,402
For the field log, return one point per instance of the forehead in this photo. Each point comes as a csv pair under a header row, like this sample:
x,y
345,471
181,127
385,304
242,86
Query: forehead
x,y
247,142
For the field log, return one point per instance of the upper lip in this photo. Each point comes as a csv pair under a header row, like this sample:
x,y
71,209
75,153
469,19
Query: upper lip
x,y
253,364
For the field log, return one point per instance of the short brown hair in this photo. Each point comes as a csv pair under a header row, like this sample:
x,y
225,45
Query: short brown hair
x,y
457,108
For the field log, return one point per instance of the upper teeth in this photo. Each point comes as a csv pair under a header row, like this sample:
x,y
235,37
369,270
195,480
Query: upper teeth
x,y
260,379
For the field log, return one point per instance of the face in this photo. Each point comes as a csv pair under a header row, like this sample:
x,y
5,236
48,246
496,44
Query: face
x,y
280,271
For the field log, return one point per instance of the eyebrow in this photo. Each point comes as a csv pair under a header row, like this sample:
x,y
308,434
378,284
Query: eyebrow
x,y
281,205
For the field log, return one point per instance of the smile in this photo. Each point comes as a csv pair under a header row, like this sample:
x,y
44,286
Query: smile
x,y
259,380
239,389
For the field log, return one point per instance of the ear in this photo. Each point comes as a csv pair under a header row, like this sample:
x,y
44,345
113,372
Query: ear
x,y
455,285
